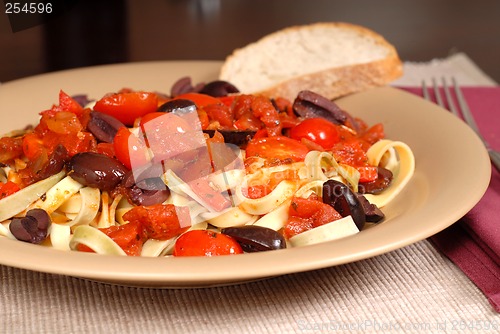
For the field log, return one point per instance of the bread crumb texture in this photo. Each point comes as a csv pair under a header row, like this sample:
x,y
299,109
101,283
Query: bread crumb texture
x,y
300,53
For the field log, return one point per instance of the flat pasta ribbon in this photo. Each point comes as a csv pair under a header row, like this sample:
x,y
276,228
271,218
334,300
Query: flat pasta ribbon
x,y
402,172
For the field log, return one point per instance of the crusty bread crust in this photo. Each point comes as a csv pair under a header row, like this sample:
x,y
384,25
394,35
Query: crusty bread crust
x,y
331,82
340,81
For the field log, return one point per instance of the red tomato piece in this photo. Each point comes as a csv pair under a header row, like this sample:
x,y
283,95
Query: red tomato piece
x,y
220,113
130,237
66,103
278,147
307,213
212,197
33,146
73,142
8,188
205,243
128,106
148,117
265,111
248,121
372,135
106,149
160,221
367,173
10,148
350,152
129,149
317,130
171,135
201,100
64,122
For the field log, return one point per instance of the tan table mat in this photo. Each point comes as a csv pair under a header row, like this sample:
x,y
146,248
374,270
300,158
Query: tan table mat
x,y
411,290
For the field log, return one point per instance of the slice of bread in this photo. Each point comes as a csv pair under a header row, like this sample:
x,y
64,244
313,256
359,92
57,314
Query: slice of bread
x,y
332,59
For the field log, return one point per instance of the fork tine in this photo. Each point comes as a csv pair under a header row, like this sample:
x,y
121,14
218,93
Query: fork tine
x,y
439,100
464,107
449,98
425,91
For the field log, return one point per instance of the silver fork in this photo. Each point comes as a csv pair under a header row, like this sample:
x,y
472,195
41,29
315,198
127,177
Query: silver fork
x,y
464,108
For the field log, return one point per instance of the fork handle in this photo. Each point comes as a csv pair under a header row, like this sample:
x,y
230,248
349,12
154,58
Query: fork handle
x,y
495,158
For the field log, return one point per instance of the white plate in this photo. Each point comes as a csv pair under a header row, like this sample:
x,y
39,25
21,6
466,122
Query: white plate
x,y
452,173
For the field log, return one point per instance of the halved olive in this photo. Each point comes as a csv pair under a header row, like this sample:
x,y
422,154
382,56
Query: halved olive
x,y
254,238
345,201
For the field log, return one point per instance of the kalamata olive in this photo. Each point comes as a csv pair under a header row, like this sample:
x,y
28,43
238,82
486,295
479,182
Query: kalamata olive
x,y
378,185
308,104
32,228
81,99
372,213
344,200
254,238
185,85
237,137
145,187
219,88
96,170
103,126
178,106
56,162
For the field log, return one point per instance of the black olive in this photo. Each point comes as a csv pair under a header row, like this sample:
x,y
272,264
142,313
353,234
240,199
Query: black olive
x,y
104,127
383,180
219,88
96,170
32,228
178,106
345,201
254,238
308,104
185,85
237,137
81,99
56,162
372,212
145,187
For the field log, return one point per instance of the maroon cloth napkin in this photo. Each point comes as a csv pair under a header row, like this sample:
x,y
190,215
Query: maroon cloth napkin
x,y
473,243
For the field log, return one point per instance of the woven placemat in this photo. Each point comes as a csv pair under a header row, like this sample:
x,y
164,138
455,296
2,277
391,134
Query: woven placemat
x,y
413,289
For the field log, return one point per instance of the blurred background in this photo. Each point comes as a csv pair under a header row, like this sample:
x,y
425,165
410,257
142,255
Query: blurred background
x,y
94,32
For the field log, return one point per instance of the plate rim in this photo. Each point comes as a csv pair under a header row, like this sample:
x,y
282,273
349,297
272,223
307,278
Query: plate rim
x,y
109,271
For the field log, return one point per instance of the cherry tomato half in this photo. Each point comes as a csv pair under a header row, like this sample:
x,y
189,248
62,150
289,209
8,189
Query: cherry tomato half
x,y
317,130
129,149
278,147
205,243
201,100
127,106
